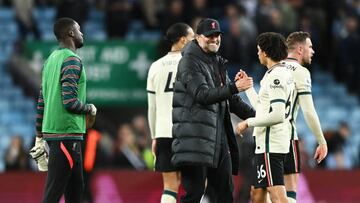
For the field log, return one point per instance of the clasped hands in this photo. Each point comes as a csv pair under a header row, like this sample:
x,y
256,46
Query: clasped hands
x,y
243,81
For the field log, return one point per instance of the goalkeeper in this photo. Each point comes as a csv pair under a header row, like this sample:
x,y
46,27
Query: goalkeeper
x,y
62,115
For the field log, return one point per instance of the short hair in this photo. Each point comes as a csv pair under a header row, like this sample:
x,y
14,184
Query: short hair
x,y
273,44
62,27
295,38
176,31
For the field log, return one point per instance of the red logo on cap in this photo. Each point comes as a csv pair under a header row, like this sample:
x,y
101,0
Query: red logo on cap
x,y
213,25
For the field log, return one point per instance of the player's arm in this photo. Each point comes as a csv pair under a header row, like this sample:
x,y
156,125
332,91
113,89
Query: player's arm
x,y
310,115
39,113
150,87
312,120
276,116
70,74
303,86
38,152
277,97
252,96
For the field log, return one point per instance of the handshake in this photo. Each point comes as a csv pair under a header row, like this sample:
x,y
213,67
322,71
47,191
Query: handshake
x,y
243,81
39,154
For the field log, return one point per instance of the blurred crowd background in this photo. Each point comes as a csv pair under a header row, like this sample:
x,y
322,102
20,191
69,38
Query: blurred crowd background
x,y
121,136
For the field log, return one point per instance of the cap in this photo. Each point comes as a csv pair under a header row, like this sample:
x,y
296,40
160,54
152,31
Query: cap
x,y
208,27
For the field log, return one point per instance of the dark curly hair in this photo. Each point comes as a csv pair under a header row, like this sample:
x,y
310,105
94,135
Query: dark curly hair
x,y
273,44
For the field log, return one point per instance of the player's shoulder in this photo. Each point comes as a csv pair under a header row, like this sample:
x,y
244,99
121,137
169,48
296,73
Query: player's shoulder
x,y
280,74
158,61
279,71
156,65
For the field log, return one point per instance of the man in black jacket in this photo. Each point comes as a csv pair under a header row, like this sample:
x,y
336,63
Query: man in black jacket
x,y
204,143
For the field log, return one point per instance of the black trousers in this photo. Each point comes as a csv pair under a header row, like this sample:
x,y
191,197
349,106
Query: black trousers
x,y
65,172
219,181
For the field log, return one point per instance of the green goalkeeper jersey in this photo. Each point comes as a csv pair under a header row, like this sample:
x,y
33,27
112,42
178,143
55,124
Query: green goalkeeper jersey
x,y
57,119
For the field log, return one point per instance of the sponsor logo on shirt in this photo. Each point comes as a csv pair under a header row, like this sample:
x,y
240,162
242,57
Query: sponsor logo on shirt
x,y
276,84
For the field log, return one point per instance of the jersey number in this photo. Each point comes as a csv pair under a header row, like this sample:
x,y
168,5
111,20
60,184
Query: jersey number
x,y
261,173
288,106
168,83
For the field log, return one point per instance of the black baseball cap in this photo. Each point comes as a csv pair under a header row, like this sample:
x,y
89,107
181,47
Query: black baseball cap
x,y
208,26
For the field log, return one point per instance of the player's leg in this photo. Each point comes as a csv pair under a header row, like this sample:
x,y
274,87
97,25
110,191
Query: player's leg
x,y
75,188
171,187
277,194
291,170
270,170
171,176
291,181
276,187
58,173
258,195
260,180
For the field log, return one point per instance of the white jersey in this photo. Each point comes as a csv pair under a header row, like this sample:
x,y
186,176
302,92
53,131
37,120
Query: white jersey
x,y
302,98
160,81
271,131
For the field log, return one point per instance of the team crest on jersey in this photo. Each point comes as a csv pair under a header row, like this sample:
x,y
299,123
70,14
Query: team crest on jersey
x,y
276,84
290,81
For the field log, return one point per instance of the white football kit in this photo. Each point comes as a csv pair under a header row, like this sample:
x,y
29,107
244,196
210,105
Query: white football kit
x,y
160,81
303,98
272,104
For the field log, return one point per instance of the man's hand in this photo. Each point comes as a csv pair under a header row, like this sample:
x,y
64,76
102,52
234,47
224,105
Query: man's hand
x,y
39,154
240,74
244,83
320,153
93,109
241,127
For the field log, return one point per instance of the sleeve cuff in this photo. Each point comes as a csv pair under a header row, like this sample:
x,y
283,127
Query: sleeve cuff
x,y
250,122
233,88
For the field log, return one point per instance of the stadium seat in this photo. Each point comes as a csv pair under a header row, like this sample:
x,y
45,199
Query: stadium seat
x,y
9,31
6,14
96,15
94,31
44,14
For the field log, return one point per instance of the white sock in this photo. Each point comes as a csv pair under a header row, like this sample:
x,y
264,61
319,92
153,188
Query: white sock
x,y
168,197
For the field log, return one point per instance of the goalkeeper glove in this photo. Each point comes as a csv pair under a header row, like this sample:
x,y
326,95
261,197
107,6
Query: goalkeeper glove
x,y
39,154
93,109
90,118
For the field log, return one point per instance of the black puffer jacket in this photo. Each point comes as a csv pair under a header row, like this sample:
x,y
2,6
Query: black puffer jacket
x,y
199,99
